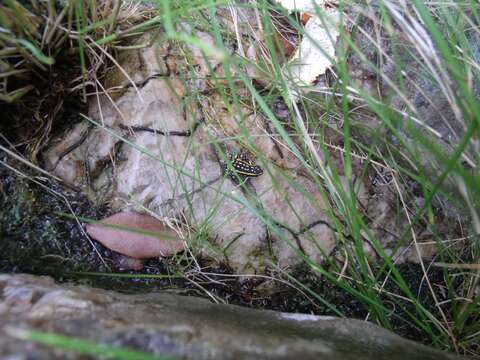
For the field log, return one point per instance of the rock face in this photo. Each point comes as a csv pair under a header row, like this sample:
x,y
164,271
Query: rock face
x,y
159,146
183,327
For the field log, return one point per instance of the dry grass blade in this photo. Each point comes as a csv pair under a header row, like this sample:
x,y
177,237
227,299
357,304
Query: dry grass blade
x,y
457,266
446,326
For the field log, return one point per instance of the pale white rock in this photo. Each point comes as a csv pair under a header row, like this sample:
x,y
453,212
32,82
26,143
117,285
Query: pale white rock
x,y
72,163
181,177
304,214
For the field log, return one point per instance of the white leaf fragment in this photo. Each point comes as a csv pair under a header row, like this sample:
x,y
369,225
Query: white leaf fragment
x,y
316,51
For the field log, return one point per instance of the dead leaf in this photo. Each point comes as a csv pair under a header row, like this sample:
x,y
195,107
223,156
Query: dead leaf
x,y
285,46
314,55
304,17
136,235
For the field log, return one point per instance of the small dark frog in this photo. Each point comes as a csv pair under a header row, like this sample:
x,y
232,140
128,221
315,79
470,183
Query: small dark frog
x,y
242,168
